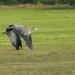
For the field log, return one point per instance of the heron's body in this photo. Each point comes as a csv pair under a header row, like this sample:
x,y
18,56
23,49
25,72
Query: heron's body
x,y
16,31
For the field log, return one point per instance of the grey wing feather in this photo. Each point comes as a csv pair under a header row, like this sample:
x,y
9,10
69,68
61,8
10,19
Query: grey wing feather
x,y
26,35
29,42
15,39
9,27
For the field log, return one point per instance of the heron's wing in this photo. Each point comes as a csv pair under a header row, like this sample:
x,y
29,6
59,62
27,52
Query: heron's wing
x,y
29,42
15,39
25,34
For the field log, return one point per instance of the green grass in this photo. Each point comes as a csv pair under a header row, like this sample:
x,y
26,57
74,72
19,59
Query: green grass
x,y
54,43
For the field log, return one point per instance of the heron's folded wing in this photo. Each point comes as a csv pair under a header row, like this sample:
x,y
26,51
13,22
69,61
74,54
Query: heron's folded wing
x,y
29,42
15,39
26,35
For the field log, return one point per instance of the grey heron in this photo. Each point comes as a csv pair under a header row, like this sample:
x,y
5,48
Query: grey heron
x,y
16,31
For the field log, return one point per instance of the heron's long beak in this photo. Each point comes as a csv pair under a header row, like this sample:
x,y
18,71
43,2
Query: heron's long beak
x,y
4,32
38,28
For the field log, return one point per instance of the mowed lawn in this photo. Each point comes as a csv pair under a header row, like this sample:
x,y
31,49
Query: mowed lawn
x,y
54,43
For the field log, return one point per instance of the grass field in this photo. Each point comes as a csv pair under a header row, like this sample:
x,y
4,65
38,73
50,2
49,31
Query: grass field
x,y
54,43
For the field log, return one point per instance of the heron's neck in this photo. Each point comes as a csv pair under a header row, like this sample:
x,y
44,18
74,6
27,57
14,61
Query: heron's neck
x,y
31,29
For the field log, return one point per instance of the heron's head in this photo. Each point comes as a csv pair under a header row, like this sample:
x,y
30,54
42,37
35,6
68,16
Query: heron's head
x,y
33,28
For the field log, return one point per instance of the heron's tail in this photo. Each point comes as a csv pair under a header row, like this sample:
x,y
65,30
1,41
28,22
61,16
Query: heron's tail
x,y
4,32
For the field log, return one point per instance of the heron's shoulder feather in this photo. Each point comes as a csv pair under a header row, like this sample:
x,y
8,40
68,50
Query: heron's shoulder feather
x,y
18,25
9,27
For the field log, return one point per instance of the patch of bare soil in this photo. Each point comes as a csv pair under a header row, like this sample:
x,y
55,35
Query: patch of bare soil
x,y
37,6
